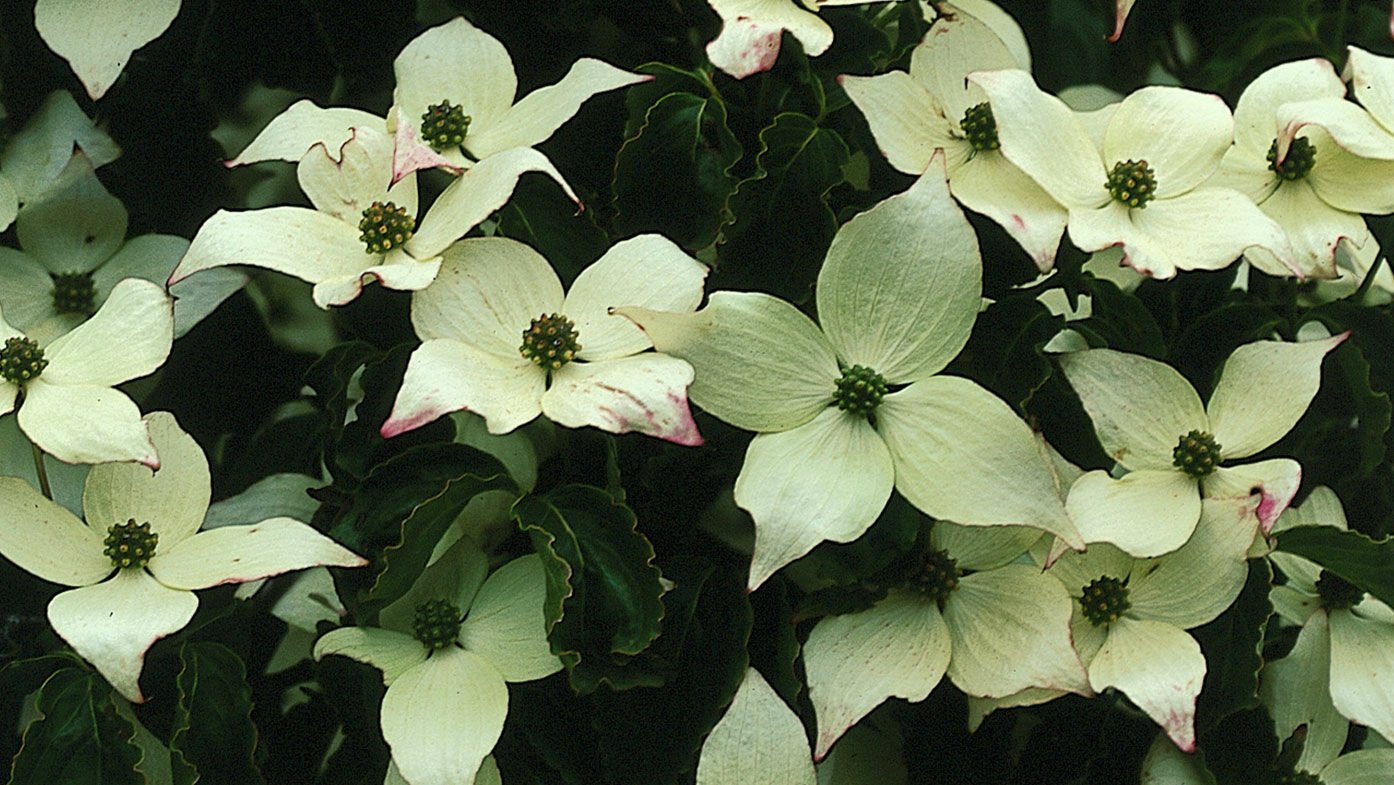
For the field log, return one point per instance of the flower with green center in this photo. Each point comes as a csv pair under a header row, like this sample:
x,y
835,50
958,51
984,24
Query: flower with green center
x,y
1152,422
933,108
136,582
444,126
1316,186
898,293
74,293
1342,666
64,388
447,695
1131,615
1142,182
385,226
994,625
494,290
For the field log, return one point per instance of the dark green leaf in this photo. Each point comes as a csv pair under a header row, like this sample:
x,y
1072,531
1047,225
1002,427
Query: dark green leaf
x,y
1349,554
1119,321
78,739
1241,748
673,176
540,215
1232,644
1004,352
782,223
17,680
604,598
666,79
213,740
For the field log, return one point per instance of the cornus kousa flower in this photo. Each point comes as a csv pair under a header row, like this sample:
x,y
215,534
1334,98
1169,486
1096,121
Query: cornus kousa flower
x,y
933,107
35,157
1141,184
846,412
97,39
447,649
140,555
64,388
500,338
994,626
1344,655
751,29
1131,615
357,231
1318,190
1151,421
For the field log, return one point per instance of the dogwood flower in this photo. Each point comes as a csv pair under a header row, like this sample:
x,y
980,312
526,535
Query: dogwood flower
x,y
1151,421
897,295
64,388
97,39
1347,638
1131,615
1141,183
1164,764
494,292
447,649
36,156
356,232
1318,190
933,107
139,556
996,627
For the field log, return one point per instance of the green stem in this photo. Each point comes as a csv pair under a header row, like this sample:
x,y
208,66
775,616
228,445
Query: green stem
x,y
1359,296
41,471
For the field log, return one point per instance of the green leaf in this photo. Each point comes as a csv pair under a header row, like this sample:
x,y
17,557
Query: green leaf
x,y
1240,746
604,597
1232,644
17,680
540,215
1349,554
78,739
666,79
673,175
213,740
1004,352
1119,321
782,224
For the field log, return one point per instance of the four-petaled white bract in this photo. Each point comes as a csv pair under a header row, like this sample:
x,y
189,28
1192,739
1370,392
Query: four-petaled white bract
x,y
491,290
445,707
97,37
116,613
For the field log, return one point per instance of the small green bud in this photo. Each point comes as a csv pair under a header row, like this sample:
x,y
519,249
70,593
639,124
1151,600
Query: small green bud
x,y
859,390
1196,454
1299,161
1337,593
385,226
937,577
437,623
21,360
1104,600
980,128
130,545
550,341
1132,182
74,293
444,126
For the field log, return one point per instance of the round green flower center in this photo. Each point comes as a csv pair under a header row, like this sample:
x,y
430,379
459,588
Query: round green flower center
x,y
21,360
550,342
1298,163
1132,182
437,623
385,226
1337,593
1104,600
1297,778
74,293
937,577
980,128
859,390
444,126
130,545
1196,454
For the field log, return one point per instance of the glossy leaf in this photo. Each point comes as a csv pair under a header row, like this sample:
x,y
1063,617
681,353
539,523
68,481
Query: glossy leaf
x,y
1232,645
78,739
1349,554
213,741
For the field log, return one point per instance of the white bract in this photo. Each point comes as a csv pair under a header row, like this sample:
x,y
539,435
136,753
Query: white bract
x,y
501,339
996,627
1151,421
1141,183
97,37
1346,644
751,30
64,388
140,555
447,649
35,157
934,107
897,296
356,232
1131,615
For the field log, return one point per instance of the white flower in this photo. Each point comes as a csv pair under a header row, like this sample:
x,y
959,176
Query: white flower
x,y
97,38
1140,183
69,407
139,557
1151,421
897,296
447,649
751,29
36,156
496,327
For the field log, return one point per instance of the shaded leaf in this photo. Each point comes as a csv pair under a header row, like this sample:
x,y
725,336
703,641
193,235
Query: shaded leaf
x,y
1232,644
1349,554
78,739
1119,321
213,740
1004,351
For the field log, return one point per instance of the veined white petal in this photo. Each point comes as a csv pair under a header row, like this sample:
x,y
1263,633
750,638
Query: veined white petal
x,y
47,540
1275,481
750,31
1314,227
172,500
1348,181
1297,691
85,424
488,291
1196,583
445,376
1256,114
297,241
237,554
293,132
1181,134
1372,83
1342,122
506,624
954,47
758,741
44,148
26,291
1361,766
1159,667
1362,667
645,392
1145,513
827,479
443,716
76,225
97,38
540,113
129,337
454,575
393,653
343,181
904,119
990,184
399,271
1263,391
113,623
